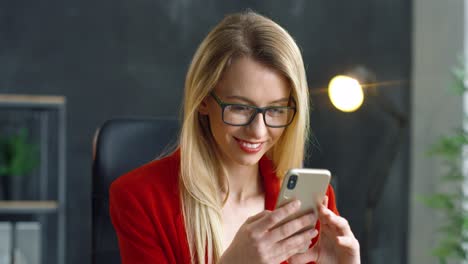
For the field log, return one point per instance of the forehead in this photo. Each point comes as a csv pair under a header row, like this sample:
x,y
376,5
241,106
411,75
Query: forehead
x,y
251,79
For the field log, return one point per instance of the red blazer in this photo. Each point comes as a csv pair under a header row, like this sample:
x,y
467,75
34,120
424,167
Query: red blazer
x,y
146,213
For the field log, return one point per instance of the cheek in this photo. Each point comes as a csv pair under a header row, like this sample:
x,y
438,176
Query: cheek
x,y
276,134
215,119
219,129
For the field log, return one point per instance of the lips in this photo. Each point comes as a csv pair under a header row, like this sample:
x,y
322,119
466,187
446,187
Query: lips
x,y
249,147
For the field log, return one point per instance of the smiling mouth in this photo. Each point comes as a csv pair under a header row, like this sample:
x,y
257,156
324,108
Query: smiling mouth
x,y
249,147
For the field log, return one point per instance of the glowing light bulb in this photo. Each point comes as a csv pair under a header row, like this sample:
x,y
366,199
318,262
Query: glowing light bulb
x,y
345,93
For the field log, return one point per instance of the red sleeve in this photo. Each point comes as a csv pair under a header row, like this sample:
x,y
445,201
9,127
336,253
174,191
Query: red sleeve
x,y
138,241
332,200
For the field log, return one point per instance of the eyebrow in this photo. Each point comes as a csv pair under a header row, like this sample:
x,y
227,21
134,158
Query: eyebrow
x,y
286,99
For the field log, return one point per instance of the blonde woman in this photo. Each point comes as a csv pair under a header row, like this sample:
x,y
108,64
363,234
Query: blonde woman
x,y
245,122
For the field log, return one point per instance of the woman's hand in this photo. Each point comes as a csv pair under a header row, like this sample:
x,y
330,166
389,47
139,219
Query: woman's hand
x,y
260,241
336,244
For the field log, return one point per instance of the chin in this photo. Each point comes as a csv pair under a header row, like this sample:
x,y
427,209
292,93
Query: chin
x,y
247,159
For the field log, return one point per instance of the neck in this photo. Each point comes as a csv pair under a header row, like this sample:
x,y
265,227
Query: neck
x,y
245,182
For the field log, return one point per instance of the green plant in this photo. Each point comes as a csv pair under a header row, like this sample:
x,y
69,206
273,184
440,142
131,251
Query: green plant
x,y
452,200
17,156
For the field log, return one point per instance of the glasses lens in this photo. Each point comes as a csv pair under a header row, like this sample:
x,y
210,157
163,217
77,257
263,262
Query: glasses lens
x,y
238,114
279,116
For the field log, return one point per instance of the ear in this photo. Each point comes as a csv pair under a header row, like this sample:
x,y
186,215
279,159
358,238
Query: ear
x,y
203,107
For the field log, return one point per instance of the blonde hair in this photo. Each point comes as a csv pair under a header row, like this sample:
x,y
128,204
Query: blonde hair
x,y
242,34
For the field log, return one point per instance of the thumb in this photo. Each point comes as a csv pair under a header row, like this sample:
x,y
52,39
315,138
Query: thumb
x,y
325,201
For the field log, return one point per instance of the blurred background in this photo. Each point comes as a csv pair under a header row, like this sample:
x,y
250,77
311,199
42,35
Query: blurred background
x,y
106,59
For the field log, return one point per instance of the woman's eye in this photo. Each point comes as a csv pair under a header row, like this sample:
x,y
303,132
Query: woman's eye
x,y
277,111
239,108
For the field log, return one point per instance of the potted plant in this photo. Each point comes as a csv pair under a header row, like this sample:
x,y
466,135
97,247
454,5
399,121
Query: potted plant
x,y
18,157
452,201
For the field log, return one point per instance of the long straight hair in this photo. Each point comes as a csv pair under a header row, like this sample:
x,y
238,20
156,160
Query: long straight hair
x,y
245,34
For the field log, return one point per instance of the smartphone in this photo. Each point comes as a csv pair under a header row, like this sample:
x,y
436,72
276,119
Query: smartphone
x,y
307,185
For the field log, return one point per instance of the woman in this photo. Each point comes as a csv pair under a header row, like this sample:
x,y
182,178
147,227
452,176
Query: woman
x,y
245,123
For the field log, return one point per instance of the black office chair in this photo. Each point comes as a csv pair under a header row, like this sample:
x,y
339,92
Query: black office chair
x,y
121,145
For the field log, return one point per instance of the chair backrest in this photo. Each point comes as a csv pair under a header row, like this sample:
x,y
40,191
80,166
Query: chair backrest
x,y
121,145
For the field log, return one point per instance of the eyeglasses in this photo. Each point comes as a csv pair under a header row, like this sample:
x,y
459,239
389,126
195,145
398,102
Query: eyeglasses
x,y
243,115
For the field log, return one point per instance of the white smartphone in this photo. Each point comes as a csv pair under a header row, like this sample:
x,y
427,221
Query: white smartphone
x,y
307,185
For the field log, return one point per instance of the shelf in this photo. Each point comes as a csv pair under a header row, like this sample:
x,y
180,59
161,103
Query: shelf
x,y
16,100
45,117
28,207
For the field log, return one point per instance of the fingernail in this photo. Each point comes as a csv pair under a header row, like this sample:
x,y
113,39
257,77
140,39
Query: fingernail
x,y
297,204
313,232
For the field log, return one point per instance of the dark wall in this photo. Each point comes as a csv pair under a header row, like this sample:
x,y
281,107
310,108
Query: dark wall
x,y
114,58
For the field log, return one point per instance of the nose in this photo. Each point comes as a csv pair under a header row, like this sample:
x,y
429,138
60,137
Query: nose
x,y
257,128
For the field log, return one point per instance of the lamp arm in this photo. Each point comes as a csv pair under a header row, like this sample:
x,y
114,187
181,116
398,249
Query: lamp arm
x,y
380,170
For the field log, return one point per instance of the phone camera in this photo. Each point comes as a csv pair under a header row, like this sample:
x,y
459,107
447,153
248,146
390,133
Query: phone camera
x,y
292,182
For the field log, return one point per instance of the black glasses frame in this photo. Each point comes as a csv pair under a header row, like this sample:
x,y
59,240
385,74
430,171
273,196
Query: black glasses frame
x,y
258,110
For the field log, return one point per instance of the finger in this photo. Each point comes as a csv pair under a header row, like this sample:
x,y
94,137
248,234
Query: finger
x,y
272,218
335,223
327,233
310,255
294,244
325,201
257,216
289,228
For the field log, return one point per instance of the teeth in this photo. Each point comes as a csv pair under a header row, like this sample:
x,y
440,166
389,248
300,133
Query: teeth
x,y
252,146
